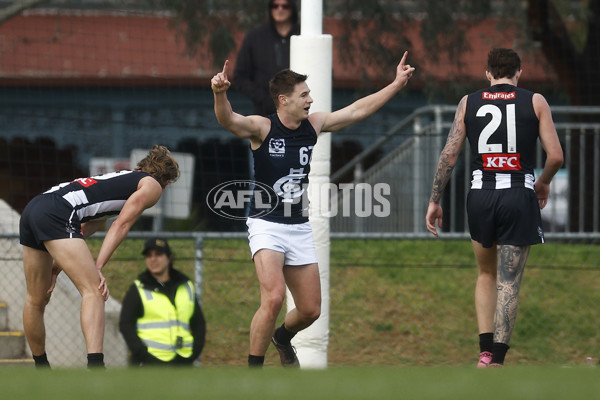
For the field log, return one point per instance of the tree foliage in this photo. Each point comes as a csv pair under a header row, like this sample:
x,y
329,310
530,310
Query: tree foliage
x,y
567,31
570,40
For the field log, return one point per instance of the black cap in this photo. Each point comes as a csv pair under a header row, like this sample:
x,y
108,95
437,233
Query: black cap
x,y
157,244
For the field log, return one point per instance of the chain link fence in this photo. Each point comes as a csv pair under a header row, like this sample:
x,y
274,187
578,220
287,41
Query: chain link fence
x,y
394,301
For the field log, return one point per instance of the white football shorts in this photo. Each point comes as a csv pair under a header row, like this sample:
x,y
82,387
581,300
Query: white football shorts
x,y
294,240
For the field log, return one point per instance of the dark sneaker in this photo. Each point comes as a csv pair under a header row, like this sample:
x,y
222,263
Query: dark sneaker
x,y
287,354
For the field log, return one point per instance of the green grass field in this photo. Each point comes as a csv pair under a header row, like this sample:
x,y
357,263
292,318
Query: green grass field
x,y
399,303
402,326
344,383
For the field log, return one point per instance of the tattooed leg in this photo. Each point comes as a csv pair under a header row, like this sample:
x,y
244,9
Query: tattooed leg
x,y
511,263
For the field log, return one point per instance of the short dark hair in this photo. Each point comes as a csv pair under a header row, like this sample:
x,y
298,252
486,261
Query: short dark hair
x,y
284,83
503,63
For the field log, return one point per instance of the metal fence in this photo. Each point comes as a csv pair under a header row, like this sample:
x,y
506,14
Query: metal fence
x,y
411,150
381,291
395,300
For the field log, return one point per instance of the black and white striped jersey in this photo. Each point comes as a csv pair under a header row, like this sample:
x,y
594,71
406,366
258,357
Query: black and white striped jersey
x,y
99,196
502,130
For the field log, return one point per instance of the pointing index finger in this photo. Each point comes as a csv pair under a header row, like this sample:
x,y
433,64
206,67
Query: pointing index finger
x,y
403,61
225,67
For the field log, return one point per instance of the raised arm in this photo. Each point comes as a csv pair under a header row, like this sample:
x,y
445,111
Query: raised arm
x,y
252,127
446,163
551,145
364,107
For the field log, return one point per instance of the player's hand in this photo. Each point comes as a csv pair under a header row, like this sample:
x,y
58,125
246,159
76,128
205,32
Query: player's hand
x,y
219,83
434,213
103,287
404,71
55,271
542,191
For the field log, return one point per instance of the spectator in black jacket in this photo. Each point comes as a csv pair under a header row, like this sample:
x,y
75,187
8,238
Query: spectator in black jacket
x,y
264,52
161,319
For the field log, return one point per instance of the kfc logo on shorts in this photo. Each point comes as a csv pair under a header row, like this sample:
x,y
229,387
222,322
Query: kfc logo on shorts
x,y
498,95
502,162
277,147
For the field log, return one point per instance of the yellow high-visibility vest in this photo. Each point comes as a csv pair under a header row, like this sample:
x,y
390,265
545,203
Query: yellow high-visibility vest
x,y
165,328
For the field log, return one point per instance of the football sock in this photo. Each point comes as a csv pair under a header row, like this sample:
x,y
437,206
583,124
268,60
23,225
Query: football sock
x,y
41,361
486,342
499,353
255,361
283,336
95,360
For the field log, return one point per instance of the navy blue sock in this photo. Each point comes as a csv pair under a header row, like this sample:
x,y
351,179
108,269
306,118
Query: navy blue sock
x,y
499,353
41,361
283,336
256,361
486,342
95,360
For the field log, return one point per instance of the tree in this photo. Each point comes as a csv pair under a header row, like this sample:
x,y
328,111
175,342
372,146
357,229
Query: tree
x,y
573,48
206,24
567,31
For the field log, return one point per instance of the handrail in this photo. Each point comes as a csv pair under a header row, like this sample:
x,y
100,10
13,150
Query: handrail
x,y
575,109
394,130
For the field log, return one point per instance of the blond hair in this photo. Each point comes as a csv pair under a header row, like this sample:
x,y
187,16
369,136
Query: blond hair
x,y
160,164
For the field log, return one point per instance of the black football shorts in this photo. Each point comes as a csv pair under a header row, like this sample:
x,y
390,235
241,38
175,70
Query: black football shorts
x,y
48,217
504,216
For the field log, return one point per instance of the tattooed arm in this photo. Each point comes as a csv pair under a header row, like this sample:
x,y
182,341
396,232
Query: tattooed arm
x,y
446,163
511,263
